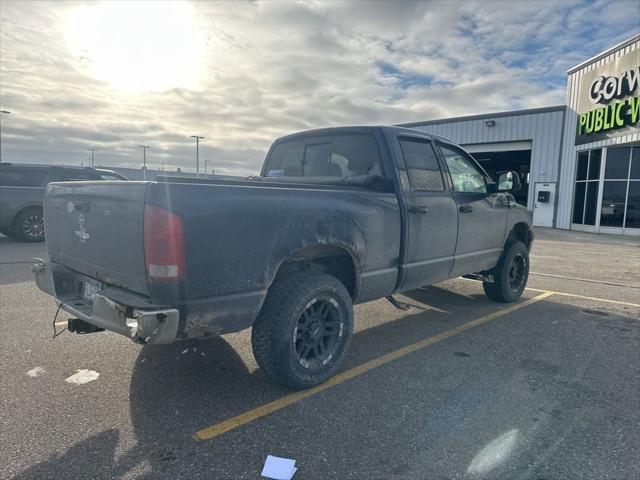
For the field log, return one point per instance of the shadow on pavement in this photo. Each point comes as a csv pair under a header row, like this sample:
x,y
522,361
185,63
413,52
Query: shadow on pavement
x,y
96,455
178,389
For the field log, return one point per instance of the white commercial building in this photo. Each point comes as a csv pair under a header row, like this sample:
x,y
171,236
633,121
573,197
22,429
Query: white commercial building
x,y
580,162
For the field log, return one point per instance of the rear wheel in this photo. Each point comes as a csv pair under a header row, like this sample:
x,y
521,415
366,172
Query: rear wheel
x,y
303,331
510,275
29,225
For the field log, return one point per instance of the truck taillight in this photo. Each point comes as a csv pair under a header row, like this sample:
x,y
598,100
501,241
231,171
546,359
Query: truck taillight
x,y
164,245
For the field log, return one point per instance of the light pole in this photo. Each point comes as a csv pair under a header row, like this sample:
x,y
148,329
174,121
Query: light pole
x,y
198,138
92,150
4,112
144,161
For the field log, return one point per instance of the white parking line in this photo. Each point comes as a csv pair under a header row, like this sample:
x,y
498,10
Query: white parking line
x,y
578,279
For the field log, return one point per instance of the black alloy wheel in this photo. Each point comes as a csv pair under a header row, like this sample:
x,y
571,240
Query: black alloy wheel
x,y
318,332
510,275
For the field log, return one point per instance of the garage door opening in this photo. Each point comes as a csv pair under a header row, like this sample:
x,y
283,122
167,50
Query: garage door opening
x,y
498,158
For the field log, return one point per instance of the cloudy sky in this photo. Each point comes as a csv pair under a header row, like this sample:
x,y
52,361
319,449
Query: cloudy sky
x,y
116,75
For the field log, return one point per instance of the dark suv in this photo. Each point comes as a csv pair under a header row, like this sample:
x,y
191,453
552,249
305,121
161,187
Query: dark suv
x,y
22,189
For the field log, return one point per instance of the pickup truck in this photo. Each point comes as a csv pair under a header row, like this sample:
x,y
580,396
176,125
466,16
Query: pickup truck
x,y
337,217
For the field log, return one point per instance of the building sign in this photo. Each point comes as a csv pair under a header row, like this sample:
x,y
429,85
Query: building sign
x,y
609,100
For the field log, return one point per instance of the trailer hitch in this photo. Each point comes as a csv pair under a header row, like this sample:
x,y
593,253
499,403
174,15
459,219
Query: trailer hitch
x,y
76,325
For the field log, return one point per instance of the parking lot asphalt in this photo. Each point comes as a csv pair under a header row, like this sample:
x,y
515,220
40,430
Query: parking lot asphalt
x,y
456,387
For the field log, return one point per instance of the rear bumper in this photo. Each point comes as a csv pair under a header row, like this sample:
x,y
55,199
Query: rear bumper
x,y
154,325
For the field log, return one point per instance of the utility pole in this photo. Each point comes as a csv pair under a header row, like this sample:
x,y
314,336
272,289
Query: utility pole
x,y
144,161
92,150
4,112
198,138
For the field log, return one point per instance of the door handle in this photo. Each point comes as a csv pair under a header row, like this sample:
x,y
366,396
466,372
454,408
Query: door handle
x,y
418,209
465,209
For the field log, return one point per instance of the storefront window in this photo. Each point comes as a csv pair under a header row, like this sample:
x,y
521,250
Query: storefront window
x,y
620,205
594,164
633,199
619,188
617,163
585,201
633,205
613,199
635,164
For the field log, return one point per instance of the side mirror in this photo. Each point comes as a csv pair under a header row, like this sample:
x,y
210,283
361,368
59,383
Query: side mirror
x,y
508,182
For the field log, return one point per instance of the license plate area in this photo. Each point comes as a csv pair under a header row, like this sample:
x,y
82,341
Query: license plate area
x,y
90,288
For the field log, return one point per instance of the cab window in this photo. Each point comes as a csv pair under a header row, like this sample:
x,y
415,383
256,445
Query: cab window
x,y
465,175
340,157
423,170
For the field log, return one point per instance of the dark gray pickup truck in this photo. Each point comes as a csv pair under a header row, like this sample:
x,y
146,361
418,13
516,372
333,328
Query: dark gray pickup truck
x,y
337,217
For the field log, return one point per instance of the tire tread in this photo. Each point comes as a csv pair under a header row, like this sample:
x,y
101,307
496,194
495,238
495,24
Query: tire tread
x,y
266,336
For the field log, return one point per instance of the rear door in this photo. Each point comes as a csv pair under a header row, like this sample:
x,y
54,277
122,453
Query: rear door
x,y
432,215
96,228
482,216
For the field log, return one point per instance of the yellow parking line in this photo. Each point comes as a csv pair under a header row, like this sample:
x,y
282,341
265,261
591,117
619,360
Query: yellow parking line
x,y
263,410
595,299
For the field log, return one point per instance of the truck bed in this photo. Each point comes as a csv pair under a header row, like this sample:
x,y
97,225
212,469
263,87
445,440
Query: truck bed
x,y
237,234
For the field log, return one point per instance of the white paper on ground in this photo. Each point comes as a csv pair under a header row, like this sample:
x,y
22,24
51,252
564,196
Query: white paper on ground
x,y
279,468
34,372
83,376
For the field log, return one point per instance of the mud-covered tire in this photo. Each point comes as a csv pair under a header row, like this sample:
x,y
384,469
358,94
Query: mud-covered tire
x,y
510,275
291,320
29,225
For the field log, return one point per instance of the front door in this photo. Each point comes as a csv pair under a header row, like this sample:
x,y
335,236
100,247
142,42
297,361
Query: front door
x,y
431,215
482,216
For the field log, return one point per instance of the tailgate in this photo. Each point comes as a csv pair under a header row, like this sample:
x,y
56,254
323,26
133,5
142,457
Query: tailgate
x,y
96,228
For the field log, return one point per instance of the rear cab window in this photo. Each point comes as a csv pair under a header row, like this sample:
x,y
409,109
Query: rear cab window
x,y
340,156
11,176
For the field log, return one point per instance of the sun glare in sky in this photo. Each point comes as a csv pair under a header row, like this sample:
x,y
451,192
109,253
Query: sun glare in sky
x,y
138,46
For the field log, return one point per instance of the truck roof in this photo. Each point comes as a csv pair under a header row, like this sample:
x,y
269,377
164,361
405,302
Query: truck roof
x,y
362,129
